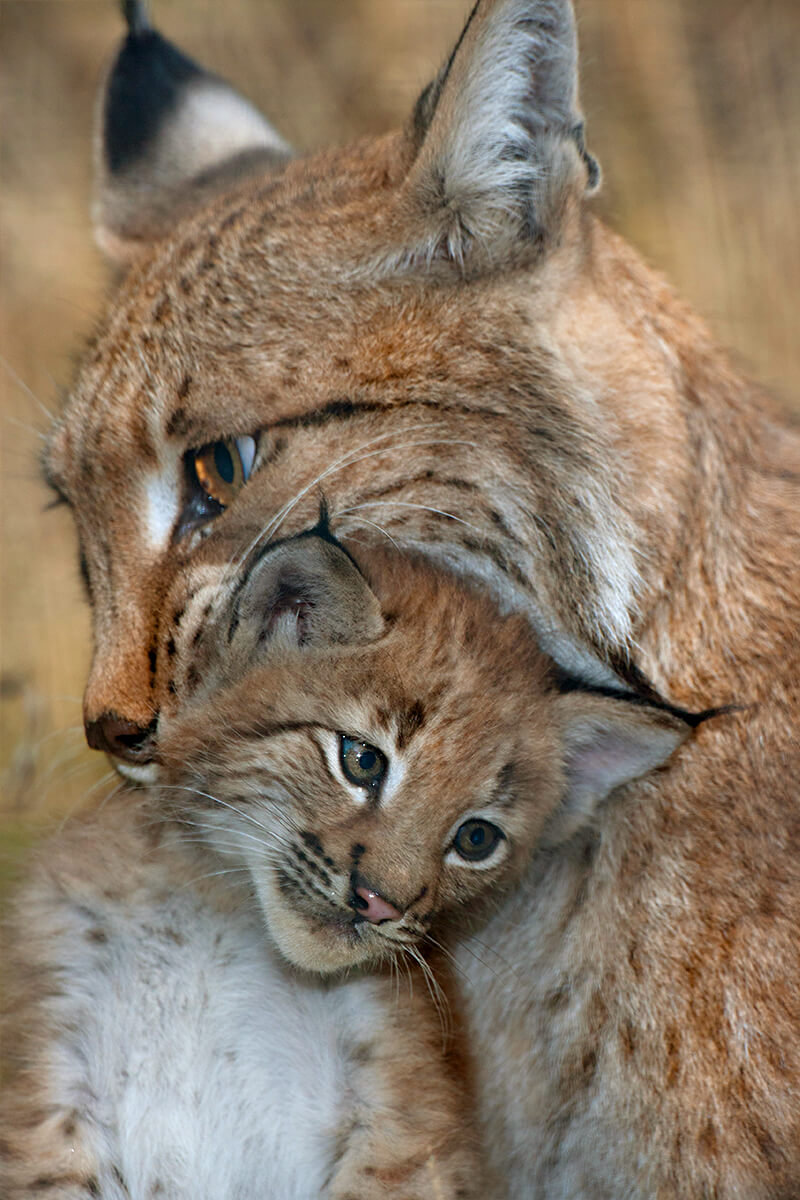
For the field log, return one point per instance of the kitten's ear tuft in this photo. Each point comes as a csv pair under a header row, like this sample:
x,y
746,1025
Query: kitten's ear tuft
x,y
500,135
169,135
306,591
608,742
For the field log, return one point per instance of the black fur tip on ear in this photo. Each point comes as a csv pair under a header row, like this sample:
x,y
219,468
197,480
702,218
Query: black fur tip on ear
x,y
137,18
644,695
695,719
323,526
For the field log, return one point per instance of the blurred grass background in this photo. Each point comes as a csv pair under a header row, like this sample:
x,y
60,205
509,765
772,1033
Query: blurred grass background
x,y
694,111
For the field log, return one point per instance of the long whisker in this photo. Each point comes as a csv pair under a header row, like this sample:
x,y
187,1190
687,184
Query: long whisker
x,y
380,529
348,460
408,504
352,461
6,365
215,800
237,833
438,997
345,460
213,875
440,946
227,839
32,431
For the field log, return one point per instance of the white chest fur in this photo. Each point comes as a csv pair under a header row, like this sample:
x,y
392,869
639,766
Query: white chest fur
x,y
202,1067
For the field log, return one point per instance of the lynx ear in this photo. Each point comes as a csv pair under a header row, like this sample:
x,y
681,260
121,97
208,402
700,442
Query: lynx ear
x,y
306,591
169,134
610,741
500,134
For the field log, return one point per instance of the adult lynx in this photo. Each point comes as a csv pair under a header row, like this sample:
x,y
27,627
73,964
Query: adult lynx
x,y
163,1043
433,327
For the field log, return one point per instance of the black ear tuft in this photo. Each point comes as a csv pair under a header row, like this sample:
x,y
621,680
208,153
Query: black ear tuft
x,y
136,17
171,136
148,66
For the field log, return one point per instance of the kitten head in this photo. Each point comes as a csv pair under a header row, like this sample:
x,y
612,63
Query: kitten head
x,y
379,749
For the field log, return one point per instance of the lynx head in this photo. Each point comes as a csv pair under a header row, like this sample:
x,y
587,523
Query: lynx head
x,y
426,321
379,750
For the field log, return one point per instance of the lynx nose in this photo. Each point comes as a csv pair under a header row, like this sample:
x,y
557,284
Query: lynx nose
x,y
372,906
124,739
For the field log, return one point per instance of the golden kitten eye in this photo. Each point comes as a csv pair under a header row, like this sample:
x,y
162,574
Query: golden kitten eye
x,y
223,468
361,763
475,840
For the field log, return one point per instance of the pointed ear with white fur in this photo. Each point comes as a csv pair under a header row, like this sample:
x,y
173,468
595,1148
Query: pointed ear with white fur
x,y
608,742
500,135
169,135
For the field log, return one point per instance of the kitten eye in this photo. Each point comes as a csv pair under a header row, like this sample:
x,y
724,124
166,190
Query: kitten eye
x,y
223,468
361,763
475,840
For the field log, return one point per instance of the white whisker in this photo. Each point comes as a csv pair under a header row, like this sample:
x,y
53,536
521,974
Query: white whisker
x,y
408,504
437,995
6,365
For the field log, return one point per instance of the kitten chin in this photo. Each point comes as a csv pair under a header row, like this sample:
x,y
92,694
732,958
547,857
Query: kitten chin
x,y
313,943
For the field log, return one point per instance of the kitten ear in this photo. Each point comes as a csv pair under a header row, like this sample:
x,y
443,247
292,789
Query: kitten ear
x,y
169,135
500,135
610,741
307,591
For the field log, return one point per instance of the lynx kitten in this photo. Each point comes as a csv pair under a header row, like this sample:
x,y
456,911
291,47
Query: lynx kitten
x,y
222,982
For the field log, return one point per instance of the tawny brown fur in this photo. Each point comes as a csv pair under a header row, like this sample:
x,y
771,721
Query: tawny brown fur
x,y
112,921
404,1126
621,483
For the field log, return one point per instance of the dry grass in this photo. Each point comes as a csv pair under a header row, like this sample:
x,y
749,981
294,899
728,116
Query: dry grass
x,y
694,113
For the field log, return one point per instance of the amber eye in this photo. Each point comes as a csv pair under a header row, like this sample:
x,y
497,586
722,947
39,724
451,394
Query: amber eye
x,y
361,763
223,468
475,840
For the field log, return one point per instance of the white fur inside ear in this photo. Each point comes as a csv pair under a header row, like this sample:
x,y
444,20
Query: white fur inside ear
x,y
509,97
212,124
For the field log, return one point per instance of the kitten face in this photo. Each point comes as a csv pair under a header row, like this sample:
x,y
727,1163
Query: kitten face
x,y
377,753
367,788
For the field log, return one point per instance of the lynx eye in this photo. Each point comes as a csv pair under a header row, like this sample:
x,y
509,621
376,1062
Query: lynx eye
x,y
361,763
223,468
476,840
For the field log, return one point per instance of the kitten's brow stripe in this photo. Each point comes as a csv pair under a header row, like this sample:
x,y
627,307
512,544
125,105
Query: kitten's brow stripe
x,y
264,729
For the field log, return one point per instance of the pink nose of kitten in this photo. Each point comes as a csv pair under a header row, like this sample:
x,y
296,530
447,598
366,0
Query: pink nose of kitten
x,y
374,908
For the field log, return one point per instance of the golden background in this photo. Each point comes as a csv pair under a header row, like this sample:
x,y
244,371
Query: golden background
x,y
693,109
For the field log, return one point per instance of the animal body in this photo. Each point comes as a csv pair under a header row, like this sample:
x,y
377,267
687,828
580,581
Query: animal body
x,y
434,328
164,1042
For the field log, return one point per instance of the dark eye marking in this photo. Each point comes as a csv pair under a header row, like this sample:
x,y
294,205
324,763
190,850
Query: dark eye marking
x,y
362,764
476,840
503,795
410,721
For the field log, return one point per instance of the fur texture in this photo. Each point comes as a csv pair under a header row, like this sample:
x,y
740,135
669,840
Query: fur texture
x,y
162,1041
525,400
